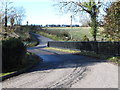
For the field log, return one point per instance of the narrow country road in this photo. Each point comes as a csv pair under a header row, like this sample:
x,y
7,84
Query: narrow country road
x,y
63,70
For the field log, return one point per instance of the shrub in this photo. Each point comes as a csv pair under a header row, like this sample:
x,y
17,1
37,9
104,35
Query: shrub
x,y
85,38
13,52
64,35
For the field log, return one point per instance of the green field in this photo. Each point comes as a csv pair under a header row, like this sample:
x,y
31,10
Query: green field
x,y
77,33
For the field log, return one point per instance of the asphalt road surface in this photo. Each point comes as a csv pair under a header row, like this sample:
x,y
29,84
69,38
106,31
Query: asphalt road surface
x,y
64,70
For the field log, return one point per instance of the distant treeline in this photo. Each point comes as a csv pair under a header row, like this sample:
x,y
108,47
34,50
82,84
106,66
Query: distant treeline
x,y
64,25
54,25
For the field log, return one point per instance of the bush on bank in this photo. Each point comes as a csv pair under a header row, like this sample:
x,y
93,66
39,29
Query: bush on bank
x,y
13,52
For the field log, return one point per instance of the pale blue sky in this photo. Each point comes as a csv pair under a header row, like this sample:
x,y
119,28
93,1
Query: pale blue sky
x,y
43,12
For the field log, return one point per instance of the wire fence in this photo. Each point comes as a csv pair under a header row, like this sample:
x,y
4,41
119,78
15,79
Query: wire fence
x,y
111,48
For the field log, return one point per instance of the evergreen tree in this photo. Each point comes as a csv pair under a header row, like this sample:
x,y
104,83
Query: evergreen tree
x,y
112,22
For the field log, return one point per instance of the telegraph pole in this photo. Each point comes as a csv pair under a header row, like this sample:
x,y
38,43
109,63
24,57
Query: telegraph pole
x,y
71,20
71,25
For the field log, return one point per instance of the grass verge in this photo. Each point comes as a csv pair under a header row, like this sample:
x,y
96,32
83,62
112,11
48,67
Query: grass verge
x,y
62,50
53,37
4,74
109,58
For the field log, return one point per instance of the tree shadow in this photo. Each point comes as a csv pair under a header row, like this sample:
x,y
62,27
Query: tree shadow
x,y
62,61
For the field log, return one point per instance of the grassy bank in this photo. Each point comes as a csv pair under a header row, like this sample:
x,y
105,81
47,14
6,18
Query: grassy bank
x,y
27,39
53,37
21,32
109,58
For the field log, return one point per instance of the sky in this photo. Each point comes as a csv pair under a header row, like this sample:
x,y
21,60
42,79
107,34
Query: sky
x,y
43,12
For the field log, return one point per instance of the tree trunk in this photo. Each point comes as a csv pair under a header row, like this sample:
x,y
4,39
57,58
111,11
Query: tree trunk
x,y
94,23
5,17
94,27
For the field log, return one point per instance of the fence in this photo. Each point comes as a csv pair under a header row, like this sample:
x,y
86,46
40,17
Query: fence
x,y
111,48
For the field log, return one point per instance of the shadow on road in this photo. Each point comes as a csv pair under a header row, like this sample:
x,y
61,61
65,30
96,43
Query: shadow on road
x,y
60,61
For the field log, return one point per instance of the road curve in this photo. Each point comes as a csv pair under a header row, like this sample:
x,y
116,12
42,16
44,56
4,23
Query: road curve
x,y
64,70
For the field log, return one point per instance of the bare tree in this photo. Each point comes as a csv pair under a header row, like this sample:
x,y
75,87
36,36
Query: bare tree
x,y
1,16
88,6
8,12
6,9
19,15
